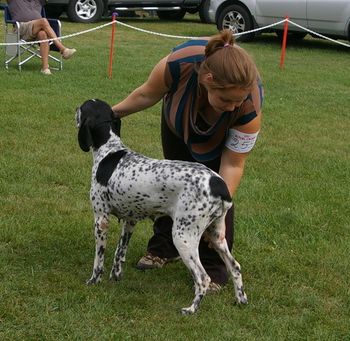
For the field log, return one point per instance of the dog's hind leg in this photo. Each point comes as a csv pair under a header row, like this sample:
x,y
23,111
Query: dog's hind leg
x,y
187,247
101,231
120,252
215,235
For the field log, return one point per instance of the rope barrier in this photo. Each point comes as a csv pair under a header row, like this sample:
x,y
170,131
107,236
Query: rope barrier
x,y
318,35
187,37
173,36
60,38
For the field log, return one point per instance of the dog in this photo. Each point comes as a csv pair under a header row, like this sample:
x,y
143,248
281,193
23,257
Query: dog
x,y
132,187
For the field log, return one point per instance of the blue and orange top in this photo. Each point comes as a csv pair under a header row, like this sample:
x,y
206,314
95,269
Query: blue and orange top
x,y
180,106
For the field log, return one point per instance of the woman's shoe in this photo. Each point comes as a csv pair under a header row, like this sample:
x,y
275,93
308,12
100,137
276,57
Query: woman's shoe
x,y
149,261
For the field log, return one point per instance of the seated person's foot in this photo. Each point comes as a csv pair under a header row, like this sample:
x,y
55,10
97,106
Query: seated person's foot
x,y
150,261
67,53
46,71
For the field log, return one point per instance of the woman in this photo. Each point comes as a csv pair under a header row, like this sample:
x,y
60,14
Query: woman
x,y
211,114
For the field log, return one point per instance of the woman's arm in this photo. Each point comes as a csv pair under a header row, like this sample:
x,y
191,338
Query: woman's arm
x,y
148,94
232,163
231,169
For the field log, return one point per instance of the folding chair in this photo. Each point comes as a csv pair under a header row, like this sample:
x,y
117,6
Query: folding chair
x,y
24,53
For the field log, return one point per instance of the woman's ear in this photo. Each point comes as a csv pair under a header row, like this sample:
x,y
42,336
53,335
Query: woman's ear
x,y
208,78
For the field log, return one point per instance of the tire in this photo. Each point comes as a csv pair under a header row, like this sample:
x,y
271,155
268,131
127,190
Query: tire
x,y
237,19
203,12
53,11
293,36
85,10
171,15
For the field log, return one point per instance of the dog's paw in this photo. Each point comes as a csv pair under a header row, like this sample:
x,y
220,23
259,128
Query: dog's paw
x,y
96,276
115,276
242,297
93,280
188,311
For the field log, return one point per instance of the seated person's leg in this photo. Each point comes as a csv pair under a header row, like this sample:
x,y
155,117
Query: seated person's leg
x,y
44,25
25,31
44,51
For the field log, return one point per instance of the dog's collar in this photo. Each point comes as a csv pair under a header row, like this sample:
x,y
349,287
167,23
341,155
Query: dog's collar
x,y
100,123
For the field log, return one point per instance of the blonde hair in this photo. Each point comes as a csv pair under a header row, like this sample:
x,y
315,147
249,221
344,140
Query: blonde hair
x,y
230,65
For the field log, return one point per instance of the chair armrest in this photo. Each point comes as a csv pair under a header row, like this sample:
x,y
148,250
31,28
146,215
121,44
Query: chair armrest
x,y
52,20
55,25
13,22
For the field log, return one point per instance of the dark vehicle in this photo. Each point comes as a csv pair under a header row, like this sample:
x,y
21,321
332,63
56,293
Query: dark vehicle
x,y
93,10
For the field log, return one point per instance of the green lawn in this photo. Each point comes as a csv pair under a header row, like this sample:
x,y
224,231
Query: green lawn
x,y
292,208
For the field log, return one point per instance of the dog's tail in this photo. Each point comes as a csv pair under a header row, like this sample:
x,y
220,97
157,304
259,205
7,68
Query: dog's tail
x,y
219,189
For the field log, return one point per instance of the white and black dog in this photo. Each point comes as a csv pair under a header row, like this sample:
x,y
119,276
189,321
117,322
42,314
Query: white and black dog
x,y
132,187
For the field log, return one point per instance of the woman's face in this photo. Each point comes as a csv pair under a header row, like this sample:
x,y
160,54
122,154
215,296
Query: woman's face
x,y
224,99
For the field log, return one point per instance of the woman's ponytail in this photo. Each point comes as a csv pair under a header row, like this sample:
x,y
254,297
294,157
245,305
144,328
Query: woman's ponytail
x,y
229,64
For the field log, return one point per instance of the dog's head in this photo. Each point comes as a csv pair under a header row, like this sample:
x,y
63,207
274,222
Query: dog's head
x,y
94,119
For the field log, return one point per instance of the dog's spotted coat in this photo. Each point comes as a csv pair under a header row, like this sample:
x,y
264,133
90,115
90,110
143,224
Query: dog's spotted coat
x,y
133,187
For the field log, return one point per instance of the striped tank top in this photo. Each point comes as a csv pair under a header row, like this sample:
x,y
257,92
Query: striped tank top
x,y
205,142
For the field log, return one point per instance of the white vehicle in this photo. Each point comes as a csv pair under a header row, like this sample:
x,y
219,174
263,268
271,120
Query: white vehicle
x,y
328,17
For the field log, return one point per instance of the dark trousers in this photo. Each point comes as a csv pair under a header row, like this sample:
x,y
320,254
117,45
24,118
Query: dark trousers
x,y
161,243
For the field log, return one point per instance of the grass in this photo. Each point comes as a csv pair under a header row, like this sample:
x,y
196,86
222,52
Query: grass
x,y
292,207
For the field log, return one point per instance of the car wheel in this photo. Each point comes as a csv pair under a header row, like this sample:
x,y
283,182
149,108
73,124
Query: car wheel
x,y
237,19
85,10
171,15
203,12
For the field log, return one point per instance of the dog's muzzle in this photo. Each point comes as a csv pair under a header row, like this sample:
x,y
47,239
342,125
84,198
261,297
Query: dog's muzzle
x,y
78,117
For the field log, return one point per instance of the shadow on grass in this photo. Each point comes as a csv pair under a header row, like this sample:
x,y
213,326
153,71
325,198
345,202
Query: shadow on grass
x,y
143,19
308,42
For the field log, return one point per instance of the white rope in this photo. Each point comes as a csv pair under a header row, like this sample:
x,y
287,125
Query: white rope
x,y
59,38
186,37
261,28
317,34
169,35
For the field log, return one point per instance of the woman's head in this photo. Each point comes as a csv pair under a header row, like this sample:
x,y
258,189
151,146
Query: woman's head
x,y
228,64
228,72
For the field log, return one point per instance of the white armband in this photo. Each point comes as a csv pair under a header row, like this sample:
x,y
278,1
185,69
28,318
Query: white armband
x,y
240,142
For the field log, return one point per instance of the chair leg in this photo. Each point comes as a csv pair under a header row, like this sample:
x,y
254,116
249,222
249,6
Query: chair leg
x,y
57,60
11,51
19,56
20,52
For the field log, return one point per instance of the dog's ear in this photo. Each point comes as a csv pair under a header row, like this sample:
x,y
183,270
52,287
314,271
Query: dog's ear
x,y
84,135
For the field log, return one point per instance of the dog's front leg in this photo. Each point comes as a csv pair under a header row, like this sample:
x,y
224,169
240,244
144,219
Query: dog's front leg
x,y
101,231
120,252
